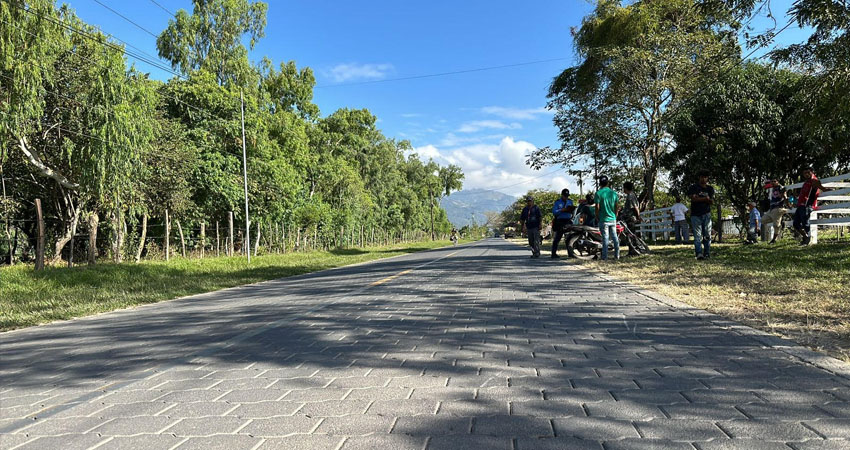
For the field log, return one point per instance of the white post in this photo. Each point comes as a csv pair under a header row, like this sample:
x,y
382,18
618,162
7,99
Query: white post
x,y
245,179
814,229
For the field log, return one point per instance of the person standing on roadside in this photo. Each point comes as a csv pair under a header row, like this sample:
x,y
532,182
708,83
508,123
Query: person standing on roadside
x,y
630,215
563,212
606,213
806,202
680,224
778,199
702,197
531,219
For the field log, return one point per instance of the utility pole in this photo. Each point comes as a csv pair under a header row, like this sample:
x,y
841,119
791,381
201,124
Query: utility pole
x,y
245,179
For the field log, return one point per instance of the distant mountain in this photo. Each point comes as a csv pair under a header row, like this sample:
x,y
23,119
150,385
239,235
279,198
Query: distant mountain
x,y
461,206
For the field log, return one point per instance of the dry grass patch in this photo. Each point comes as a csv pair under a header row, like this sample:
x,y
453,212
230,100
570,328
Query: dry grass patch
x,y
799,293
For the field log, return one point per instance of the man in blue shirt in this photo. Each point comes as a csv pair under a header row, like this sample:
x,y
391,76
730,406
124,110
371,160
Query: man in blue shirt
x,y
563,212
755,224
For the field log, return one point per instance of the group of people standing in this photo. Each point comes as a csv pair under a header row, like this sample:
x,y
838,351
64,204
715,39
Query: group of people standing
x,y
602,209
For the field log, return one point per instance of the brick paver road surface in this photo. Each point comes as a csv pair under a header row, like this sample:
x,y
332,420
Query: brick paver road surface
x,y
472,347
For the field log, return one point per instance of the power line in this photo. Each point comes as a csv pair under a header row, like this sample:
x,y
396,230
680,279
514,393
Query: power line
x,y
126,18
162,7
113,47
442,74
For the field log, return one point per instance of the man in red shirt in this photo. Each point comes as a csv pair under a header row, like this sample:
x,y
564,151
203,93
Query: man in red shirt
x,y
806,201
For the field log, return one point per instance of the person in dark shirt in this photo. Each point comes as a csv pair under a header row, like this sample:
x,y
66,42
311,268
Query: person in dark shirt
x,y
563,213
702,197
630,214
777,207
587,212
531,219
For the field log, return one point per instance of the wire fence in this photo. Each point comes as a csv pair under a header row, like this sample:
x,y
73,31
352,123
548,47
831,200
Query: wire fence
x,y
164,238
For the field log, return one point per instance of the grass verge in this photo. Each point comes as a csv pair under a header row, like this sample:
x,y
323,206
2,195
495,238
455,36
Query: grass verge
x,y
57,293
799,293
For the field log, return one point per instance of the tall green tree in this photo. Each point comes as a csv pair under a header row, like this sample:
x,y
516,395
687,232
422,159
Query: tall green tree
x,y
211,37
77,118
637,62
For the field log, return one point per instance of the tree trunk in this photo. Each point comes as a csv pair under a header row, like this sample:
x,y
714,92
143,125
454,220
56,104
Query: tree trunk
x,y
73,215
182,241
117,236
142,238
217,241
93,225
8,228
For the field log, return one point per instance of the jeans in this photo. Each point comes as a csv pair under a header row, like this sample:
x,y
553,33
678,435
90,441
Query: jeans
x,y
702,234
609,231
534,240
681,231
801,219
753,233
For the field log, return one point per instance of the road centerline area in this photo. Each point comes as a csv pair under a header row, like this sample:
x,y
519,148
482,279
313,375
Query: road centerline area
x,y
470,347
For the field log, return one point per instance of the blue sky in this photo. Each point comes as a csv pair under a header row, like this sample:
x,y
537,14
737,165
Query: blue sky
x,y
484,121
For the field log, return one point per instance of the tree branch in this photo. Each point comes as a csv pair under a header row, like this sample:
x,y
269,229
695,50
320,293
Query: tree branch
x,y
46,171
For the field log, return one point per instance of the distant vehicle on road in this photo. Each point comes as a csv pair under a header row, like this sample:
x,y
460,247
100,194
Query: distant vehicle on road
x,y
510,233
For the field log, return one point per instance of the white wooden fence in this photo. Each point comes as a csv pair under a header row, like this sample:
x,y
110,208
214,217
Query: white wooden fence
x,y
656,223
833,206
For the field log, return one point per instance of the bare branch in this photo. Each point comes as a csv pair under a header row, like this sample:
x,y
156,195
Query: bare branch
x,y
43,169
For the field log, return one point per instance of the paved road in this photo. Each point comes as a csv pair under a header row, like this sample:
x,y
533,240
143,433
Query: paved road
x,y
460,348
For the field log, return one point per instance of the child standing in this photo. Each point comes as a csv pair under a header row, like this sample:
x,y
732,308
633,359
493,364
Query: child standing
x,y
755,224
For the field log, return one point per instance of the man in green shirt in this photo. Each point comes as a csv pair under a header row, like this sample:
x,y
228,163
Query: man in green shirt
x,y
606,213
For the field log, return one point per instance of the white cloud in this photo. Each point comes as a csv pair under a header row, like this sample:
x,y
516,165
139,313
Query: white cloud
x,y
359,72
477,125
410,115
515,113
498,164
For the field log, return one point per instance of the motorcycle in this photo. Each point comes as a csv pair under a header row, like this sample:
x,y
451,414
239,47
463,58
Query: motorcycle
x,y
584,242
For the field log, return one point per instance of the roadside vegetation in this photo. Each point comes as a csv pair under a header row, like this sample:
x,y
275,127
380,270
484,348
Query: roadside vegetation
x,y
799,293
29,297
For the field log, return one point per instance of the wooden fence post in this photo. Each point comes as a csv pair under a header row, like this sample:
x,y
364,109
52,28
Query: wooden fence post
x,y
230,233
203,237
39,252
257,242
217,241
167,232
71,252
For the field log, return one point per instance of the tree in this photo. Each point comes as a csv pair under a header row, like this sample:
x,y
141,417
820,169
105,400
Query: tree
x,y
745,128
210,39
638,62
86,147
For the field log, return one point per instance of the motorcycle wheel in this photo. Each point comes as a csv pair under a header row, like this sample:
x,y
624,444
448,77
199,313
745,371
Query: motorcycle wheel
x,y
579,253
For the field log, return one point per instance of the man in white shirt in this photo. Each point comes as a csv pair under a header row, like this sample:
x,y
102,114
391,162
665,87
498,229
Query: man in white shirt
x,y
680,224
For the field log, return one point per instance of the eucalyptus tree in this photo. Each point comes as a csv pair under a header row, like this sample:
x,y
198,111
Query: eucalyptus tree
x,y
211,38
75,116
637,62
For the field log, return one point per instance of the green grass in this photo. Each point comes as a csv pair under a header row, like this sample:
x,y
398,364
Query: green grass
x,y
800,293
29,298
